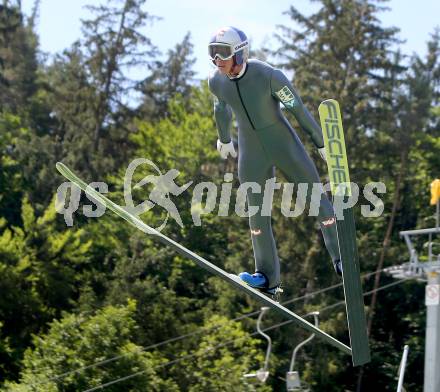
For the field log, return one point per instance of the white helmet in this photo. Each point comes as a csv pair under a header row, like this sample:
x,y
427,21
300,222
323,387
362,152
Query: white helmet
x,y
229,42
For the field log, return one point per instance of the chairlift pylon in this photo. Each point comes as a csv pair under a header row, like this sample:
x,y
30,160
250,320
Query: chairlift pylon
x,y
293,381
402,368
263,373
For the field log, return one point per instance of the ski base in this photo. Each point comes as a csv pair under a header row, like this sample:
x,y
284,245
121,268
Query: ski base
x,y
333,133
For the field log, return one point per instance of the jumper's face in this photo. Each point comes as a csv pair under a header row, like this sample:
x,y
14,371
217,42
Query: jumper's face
x,y
224,66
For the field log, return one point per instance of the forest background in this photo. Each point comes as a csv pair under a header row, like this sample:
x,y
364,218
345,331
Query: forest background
x,y
101,304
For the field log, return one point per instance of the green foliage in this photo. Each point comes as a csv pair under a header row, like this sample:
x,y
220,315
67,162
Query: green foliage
x,y
40,268
342,51
174,76
11,179
221,359
18,60
184,138
64,291
74,342
108,53
5,351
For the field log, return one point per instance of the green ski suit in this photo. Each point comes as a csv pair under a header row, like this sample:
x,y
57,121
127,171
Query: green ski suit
x,y
266,140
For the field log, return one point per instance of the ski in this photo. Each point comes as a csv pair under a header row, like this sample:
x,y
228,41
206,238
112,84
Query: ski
x,y
331,124
205,264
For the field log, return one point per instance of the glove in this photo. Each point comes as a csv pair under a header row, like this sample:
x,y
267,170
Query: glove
x,y
322,153
225,149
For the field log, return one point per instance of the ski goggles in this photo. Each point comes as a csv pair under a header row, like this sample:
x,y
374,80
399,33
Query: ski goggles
x,y
224,51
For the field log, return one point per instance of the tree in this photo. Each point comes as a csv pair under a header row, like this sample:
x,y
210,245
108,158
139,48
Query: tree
x,y
414,127
88,89
342,51
77,341
168,79
112,43
11,179
40,270
221,359
18,61
84,95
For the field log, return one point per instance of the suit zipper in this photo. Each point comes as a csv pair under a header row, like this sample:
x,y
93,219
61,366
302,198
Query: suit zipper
x,y
244,107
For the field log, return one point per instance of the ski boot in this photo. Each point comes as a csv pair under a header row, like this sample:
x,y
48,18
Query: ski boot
x,y
259,281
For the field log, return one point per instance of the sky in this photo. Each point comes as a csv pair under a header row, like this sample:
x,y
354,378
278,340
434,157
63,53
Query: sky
x,y
59,24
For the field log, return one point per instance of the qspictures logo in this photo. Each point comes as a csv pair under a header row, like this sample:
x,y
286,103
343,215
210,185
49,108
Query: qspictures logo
x,y
163,189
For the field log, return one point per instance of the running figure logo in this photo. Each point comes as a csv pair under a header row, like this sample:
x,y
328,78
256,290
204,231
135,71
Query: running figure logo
x,y
163,186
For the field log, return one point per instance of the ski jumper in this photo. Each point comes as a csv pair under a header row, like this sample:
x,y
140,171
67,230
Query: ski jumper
x,y
266,140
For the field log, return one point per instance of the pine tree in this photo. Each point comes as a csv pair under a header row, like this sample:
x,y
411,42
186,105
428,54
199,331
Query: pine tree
x,y
112,44
169,78
18,61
